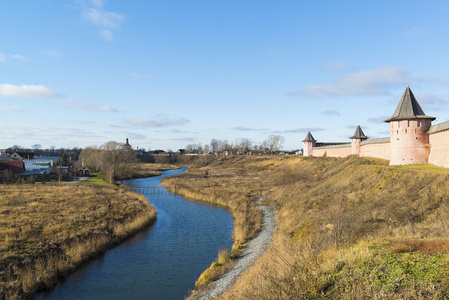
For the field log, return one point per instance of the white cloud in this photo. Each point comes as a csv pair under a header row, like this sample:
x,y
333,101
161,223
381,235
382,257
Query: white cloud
x,y
96,14
10,108
18,56
379,119
240,128
97,3
136,136
102,18
135,74
299,130
178,131
107,35
366,82
185,139
4,57
26,91
160,121
331,112
89,106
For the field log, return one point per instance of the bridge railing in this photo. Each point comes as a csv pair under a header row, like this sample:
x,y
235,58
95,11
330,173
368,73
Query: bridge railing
x,y
149,190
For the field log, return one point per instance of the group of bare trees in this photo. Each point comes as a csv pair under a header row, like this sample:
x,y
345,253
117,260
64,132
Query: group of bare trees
x,y
117,161
272,145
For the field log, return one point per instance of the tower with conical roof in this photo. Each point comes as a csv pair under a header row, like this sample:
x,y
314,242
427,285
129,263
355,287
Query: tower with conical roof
x,y
308,143
409,142
356,139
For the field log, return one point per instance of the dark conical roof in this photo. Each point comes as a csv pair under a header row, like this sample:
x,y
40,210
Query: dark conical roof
x,y
358,134
408,108
309,138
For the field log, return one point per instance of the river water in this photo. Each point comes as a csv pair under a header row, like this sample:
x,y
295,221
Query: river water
x,y
161,263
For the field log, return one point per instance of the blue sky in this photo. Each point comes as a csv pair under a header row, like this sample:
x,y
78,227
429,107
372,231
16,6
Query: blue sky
x,y
170,73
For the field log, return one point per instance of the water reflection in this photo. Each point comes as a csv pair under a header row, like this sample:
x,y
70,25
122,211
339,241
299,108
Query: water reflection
x,y
161,263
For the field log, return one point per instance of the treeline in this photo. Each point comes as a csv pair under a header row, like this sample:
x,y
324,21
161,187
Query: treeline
x,y
272,145
114,159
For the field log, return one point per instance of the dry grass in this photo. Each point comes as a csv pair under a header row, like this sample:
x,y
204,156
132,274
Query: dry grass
x,y
219,267
233,188
346,228
142,170
47,231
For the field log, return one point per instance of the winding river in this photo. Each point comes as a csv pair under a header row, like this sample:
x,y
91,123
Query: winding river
x,y
161,263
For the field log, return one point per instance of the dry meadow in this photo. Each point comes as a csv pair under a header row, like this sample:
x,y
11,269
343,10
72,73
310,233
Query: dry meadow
x,y
351,228
48,230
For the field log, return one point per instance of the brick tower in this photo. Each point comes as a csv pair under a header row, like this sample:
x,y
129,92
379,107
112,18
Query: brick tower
x,y
408,126
356,139
308,143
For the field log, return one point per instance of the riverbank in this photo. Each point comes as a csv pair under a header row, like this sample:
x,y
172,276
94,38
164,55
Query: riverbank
x,y
346,228
253,249
237,196
49,230
143,170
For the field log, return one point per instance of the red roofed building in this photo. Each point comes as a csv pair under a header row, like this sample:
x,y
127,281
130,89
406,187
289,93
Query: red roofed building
x,y
10,170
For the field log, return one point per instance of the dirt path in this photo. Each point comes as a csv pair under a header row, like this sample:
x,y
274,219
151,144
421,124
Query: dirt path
x,y
255,248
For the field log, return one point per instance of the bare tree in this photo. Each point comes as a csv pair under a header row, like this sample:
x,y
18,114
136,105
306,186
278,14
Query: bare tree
x,y
90,158
226,147
118,162
244,146
37,147
206,149
199,149
215,145
191,148
274,143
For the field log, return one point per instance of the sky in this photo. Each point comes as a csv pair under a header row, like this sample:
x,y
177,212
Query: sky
x,y
165,74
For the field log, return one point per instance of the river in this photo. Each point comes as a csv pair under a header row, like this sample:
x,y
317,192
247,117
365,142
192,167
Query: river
x,y
162,262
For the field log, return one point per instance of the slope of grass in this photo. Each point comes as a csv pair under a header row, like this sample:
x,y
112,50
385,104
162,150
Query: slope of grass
x,y
346,228
46,231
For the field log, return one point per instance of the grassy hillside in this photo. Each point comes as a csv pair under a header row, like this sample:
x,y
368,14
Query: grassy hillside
x,y
350,228
46,231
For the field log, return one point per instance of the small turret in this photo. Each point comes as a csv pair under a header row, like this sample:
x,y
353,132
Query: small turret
x,y
356,139
408,127
308,143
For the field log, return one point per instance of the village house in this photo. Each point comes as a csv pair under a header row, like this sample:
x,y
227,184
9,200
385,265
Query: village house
x,y
10,170
15,165
413,139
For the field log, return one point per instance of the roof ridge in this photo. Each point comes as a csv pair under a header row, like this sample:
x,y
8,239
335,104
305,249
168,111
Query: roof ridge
x,y
358,134
408,108
309,138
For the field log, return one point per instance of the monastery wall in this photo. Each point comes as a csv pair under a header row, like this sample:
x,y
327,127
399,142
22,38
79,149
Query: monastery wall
x,y
379,148
333,151
412,138
439,141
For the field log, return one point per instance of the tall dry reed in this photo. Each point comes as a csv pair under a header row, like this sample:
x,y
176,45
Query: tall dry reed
x,y
47,231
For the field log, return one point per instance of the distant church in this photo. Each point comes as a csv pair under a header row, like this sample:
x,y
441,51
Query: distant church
x,y
413,139
127,146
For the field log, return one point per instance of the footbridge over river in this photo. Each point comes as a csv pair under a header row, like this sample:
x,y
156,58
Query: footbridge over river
x,y
149,190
